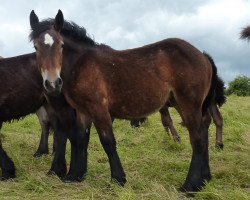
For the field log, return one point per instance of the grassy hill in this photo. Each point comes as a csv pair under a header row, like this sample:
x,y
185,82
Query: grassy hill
x,y
155,165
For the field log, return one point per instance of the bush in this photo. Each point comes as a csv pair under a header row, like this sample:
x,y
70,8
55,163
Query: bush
x,y
239,86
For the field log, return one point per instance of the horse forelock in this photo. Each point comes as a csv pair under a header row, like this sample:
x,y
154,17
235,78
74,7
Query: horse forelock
x,y
41,27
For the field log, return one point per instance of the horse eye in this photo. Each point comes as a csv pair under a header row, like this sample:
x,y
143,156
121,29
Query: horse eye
x,y
62,45
35,48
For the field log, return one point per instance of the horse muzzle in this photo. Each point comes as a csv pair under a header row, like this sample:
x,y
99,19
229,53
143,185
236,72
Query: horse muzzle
x,y
53,88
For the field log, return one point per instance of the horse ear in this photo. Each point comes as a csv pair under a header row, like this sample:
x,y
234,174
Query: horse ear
x,y
59,20
33,19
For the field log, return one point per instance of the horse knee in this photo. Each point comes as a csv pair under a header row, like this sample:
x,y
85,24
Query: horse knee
x,y
108,141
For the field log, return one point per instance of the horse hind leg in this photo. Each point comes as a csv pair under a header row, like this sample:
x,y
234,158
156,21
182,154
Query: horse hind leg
x,y
135,123
45,125
168,123
199,171
6,164
218,120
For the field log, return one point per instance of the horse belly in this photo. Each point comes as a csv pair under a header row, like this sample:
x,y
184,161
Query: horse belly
x,y
138,104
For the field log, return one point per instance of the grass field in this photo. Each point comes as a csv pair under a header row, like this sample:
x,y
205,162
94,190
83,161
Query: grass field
x,y
155,165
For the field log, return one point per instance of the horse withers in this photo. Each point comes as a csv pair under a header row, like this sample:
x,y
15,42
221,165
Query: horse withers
x,y
101,83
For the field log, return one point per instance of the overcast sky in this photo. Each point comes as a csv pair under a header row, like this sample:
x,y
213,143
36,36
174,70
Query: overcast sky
x,y
213,26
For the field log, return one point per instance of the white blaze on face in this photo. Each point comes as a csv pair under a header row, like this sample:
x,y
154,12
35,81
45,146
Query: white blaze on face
x,y
48,39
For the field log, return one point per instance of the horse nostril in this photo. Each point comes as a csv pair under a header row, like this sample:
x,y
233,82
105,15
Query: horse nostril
x,y
59,82
47,84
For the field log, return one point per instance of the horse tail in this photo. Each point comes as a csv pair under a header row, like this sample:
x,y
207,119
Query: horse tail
x,y
220,97
245,34
216,92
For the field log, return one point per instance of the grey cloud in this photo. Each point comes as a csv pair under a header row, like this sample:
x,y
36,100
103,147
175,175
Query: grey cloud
x,y
209,25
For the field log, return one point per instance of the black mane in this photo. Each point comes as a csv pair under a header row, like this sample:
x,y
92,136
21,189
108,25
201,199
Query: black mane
x,y
70,30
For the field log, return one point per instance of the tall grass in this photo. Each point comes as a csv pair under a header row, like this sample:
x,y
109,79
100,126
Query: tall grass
x,y
155,165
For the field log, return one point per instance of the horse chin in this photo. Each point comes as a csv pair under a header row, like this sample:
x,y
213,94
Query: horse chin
x,y
53,92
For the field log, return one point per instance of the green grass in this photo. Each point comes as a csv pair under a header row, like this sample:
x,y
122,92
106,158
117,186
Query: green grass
x,y
155,165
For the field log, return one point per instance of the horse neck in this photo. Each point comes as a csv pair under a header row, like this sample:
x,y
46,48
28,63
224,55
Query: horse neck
x,y
71,53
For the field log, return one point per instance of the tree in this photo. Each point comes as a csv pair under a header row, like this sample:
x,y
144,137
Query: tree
x,y
239,86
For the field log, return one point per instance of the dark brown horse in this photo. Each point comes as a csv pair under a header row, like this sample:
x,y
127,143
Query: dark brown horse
x,y
45,126
245,33
101,83
22,93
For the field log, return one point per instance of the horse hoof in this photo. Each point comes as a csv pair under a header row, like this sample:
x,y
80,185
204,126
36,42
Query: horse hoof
x,y
120,181
135,125
177,139
70,178
185,195
8,170
59,174
51,173
8,176
189,187
219,145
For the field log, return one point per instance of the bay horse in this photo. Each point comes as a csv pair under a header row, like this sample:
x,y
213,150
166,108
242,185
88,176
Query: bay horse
x,y
26,95
165,118
245,33
102,83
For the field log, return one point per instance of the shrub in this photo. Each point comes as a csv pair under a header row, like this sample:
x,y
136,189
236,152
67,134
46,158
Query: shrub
x,y
239,86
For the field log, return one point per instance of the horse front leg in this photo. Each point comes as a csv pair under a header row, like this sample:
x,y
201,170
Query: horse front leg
x,y
79,140
103,124
58,120
6,164
58,166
